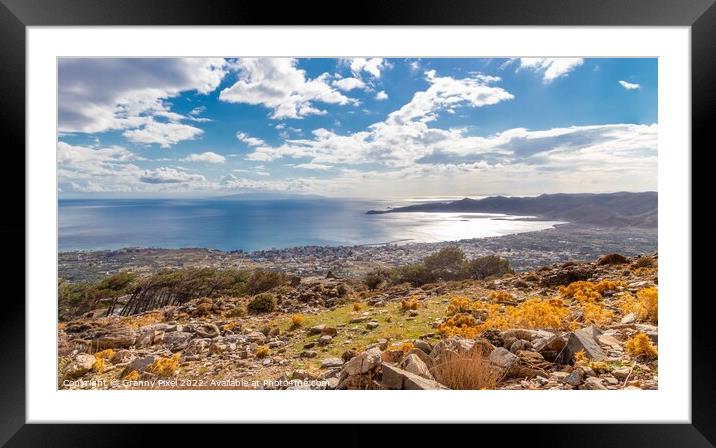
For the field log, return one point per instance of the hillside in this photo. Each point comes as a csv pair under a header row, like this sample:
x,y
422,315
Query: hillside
x,y
607,210
445,322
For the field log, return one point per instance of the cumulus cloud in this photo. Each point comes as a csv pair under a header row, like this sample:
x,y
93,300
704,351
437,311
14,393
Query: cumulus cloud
x,y
550,68
163,134
381,96
313,166
348,84
629,85
102,94
372,66
165,175
251,141
278,84
205,157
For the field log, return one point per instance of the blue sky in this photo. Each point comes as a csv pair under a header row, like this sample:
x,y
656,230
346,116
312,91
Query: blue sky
x,y
367,127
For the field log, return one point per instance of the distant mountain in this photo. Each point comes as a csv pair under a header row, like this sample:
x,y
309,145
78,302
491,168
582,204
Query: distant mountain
x,y
609,210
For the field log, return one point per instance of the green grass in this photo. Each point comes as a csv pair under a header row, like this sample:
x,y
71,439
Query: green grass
x,y
395,325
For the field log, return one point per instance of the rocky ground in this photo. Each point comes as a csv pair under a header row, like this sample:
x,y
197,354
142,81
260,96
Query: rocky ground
x,y
590,325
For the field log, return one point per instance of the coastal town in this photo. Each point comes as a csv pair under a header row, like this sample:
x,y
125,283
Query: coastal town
x,y
524,251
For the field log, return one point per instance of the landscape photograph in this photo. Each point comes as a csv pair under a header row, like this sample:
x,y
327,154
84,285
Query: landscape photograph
x,y
357,223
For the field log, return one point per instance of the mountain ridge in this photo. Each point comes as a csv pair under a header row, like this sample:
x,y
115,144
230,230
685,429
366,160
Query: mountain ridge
x,y
603,209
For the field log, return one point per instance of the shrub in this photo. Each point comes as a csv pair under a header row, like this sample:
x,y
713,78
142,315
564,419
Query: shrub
x,y
105,354
358,306
644,261
470,371
641,346
98,365
585,291
649,299
375,278
238,311
612,259
297,320
165,366
445,264
262,303
487,266
343,290
415,274
645,305
501,296
405,347
596,314
538,313
262,352
459,325
132,376
262,281
409,304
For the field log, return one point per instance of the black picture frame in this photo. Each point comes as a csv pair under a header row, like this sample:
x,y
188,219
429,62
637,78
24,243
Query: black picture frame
x,y
16,15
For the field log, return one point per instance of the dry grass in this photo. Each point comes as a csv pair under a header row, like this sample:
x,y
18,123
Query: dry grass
x,y
501,296
466,372
409,304
297,320
262,352
142,320
358,306
105,354
596,314
645,305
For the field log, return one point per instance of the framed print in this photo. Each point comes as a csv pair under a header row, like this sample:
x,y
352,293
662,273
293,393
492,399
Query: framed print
x,y
256,216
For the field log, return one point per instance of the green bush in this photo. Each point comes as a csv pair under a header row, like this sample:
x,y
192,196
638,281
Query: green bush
x,y
262,281
487,266
262,303
376,277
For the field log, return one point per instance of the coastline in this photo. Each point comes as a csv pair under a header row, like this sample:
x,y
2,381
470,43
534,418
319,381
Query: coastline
x,y
527,250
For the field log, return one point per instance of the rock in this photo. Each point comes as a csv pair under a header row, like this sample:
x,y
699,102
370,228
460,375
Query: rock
x,y
481,346
197,346
207,330
629,318
559,376
519,345
117,338
422,355
357,320
372,325
593,383
80,365
454,345
325,340
503,358
412,313
423,345
331,362
566,276
256,336
176,340
399,379
583,340
574,378
413,364
141,364
348,355
551,348
329,331
610,380
308,354
121,356
621,373
609,340
363,363
318,329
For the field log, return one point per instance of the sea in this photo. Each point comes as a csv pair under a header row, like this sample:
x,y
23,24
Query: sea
x,y
262,224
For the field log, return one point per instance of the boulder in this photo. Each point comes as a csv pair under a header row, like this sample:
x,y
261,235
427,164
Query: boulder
x,y
650,330
176,340
423,357
593,383
583,340
372,325
574,378
423,345
325,340
207,330
413,364
398,379
80,365
503,358
329,331
332,362
318,329
141,364
363,363
116,338
629,318
454,345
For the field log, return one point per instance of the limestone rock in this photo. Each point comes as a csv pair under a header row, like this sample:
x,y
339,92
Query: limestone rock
x,y
399,379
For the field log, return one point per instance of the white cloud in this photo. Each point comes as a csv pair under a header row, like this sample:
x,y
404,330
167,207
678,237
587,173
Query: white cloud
x,y
313,166
551,68
348,84
163,134
102,94
251,141
205,157
381,96
373,66
276,83
165,175
629,85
